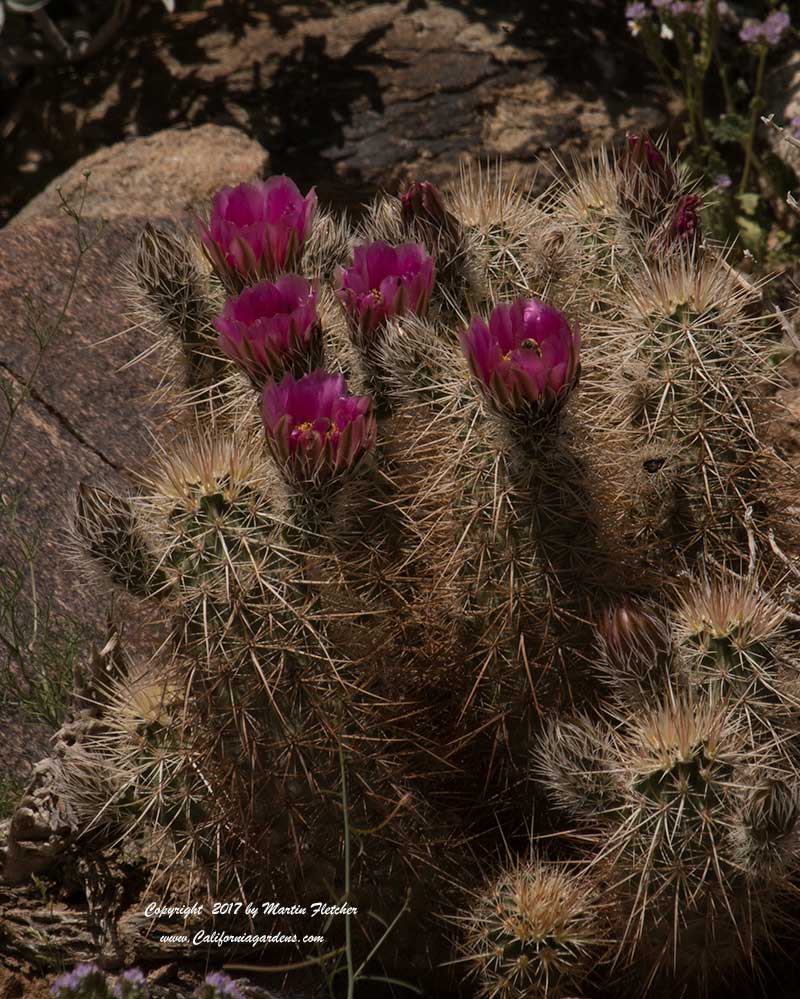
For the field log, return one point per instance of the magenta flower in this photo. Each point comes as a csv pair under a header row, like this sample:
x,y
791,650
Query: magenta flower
x,y
685,225
643,151
270,327
257,230
527,358
314,429
385,281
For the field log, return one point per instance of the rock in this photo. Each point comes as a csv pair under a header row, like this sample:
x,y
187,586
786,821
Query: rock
x,y
353,96
89,410
168,173
89,416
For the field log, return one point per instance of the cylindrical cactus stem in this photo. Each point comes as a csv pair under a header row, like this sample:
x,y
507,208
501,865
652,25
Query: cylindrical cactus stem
x,y
212,517
764,834
574,762
635,651
501,222
177,290
109,530
733,641
536,932
526,360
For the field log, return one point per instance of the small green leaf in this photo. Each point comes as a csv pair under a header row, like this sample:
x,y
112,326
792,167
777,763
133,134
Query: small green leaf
x,y
748,202
730,128
752,233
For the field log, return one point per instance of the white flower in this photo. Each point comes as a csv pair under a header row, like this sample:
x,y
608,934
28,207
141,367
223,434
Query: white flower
x,y
667,32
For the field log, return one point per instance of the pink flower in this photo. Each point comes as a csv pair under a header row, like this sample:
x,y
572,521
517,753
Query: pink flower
x,y
685,225
270,327
315,430
526,359
257,230
385,281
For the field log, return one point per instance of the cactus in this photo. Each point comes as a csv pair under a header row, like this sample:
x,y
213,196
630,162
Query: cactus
x,y
536,931
480,514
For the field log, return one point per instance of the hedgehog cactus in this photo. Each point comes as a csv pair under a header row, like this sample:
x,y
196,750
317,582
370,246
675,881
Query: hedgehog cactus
x,y
478,460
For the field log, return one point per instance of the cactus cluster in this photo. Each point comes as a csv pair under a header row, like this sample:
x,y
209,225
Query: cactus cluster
x,y
473,508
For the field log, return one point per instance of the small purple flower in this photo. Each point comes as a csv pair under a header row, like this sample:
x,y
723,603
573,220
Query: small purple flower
x,y
770,31
775,26
661,3
315,430
86,981
680,7
218,986
636,11
685,225
385,281
132,985
722,182
257,230
751,31
794,125
526,359
269,327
